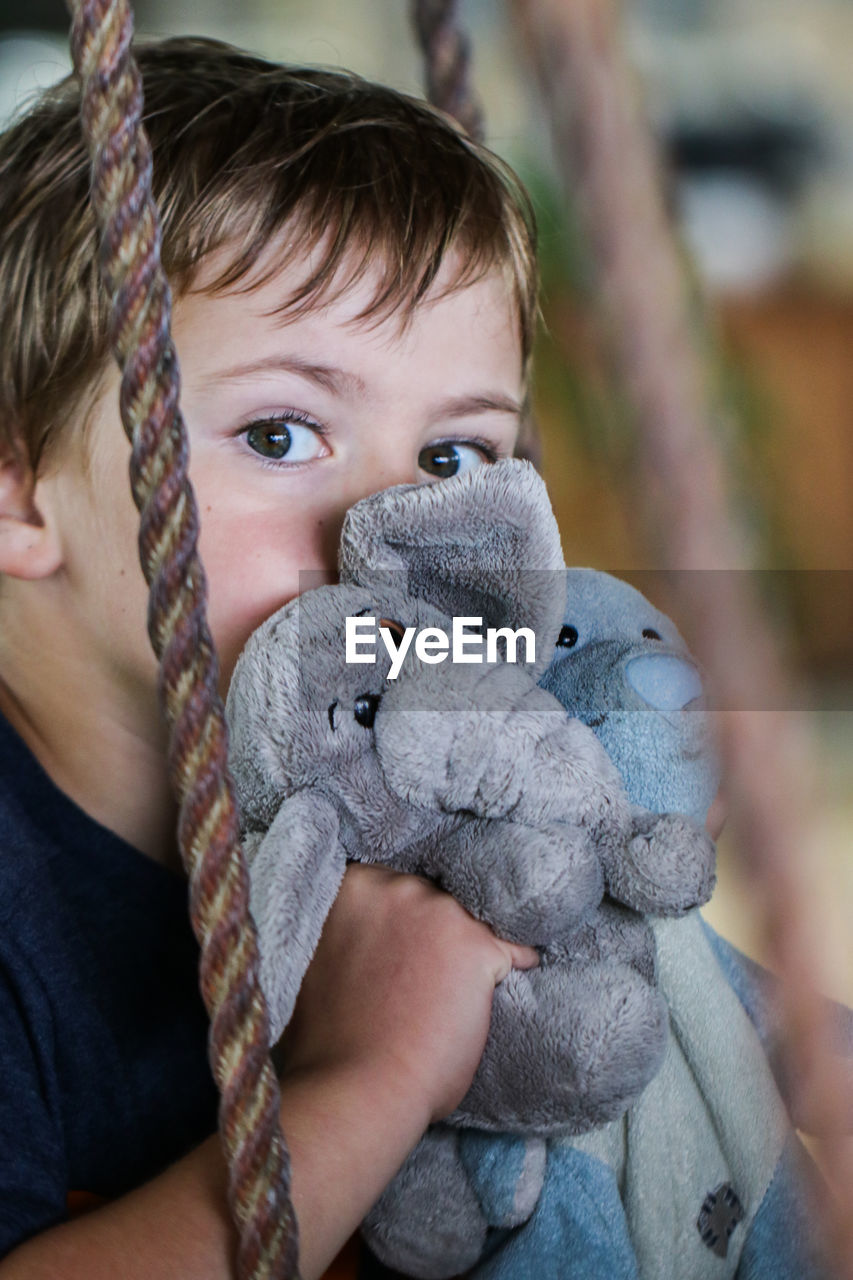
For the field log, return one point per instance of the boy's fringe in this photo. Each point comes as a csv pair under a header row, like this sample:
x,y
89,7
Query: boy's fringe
x,y
259,1167
610,167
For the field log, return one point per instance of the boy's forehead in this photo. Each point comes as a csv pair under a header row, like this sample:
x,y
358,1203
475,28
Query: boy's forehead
x,y
292,275
276,297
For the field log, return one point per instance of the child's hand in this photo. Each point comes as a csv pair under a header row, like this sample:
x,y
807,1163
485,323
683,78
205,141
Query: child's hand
x,y
401,986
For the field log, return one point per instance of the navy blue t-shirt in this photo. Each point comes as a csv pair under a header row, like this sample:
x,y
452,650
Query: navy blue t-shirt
x,y
103,1036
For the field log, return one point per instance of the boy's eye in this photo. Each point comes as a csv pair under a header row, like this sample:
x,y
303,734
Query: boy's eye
x,y
452,458
280,439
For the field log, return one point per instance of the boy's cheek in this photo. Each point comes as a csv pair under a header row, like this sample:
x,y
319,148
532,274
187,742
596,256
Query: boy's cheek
x,y
253,554
238,604
231,628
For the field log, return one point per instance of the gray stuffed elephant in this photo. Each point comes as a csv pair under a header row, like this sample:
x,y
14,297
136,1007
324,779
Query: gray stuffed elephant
x,y
469,774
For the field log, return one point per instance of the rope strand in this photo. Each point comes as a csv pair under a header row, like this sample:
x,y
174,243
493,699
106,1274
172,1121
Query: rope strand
x,y
208,831
609,165
447,58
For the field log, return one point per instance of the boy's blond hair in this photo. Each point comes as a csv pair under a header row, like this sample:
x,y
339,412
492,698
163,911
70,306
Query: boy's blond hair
x,y
243,149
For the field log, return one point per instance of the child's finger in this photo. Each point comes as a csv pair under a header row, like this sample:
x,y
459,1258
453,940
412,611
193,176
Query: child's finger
x,y
524,957
514,956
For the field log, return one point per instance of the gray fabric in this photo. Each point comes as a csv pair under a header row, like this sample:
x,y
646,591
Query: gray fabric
x,y
452,1222
290,900
485,544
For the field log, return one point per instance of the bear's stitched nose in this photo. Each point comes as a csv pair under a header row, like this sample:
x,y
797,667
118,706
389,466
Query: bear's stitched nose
x,y
664,681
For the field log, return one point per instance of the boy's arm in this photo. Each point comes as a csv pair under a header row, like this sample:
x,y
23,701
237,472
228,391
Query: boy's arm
x,y
386,1036
346,1140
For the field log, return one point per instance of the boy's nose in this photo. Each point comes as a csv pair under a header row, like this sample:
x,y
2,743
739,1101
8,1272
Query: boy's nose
x,y
376,474
381,468
386,465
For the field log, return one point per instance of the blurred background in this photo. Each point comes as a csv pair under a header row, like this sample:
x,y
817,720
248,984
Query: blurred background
x,y
753,107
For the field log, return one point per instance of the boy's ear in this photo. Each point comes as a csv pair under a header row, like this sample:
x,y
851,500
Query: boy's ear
x,y
481,544
28,545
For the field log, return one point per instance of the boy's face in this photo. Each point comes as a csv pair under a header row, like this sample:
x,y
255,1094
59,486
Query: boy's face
x,y
291,421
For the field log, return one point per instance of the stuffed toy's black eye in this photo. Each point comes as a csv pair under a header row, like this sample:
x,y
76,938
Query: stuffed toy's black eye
x,y
567,638
365,709
649,633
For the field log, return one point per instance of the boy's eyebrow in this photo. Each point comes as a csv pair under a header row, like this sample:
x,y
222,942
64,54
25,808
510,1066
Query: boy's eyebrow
x,y
485,402
328,376
337,380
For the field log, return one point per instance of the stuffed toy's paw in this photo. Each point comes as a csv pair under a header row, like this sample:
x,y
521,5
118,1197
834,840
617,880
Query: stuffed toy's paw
x,y
428,1222
568,1071
667,868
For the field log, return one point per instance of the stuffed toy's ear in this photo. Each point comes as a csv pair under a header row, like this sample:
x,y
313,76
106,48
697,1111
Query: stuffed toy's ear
x,y
482,544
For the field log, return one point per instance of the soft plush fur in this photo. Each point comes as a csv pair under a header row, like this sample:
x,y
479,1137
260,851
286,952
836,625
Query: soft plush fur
x,y
473,776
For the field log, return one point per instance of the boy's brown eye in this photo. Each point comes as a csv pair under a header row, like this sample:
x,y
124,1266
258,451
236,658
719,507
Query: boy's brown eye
x,y
268,440
450,458
286,437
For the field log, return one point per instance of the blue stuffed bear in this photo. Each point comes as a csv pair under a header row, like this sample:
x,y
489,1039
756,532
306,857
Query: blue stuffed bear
x,y
703,1176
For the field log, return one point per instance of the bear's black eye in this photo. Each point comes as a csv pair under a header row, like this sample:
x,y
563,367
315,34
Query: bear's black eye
x,y
567,638
649,633
365,709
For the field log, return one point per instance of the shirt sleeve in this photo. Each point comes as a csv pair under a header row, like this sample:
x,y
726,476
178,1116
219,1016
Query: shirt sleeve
x,y
33,1167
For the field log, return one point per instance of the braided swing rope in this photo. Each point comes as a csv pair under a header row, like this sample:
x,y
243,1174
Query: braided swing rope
x,y
446,49
608,162
208,832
